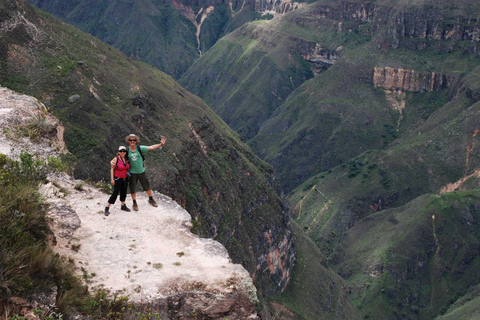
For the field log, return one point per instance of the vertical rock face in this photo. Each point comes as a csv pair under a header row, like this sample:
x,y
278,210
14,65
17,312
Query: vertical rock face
x,y
262,6
357,11
277,260
410,80
249,222
24,116
279,7
425,24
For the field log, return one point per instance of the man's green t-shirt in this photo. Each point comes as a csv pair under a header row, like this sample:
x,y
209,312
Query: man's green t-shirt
x,y
135,159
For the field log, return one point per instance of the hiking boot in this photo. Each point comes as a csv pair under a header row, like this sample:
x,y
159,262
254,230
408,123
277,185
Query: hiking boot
x,y
125,208
106,211
152,202
135,207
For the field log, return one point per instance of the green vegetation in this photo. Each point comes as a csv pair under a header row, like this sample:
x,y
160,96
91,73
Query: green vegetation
x,y
312,277
27,265
168,29
413,259
117,95
22,223
365,161
464,308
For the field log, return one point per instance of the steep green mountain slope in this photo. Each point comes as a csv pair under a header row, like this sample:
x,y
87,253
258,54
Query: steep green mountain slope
x,y
248,74
442,150
101,96
343,211
313,287
167,34
327,73
414,261
465,308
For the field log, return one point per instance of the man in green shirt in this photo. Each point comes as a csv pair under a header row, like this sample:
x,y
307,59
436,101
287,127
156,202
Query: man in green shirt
x,y
137,169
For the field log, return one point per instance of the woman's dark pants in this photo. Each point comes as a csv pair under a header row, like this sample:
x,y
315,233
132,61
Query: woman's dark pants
x,y
119,187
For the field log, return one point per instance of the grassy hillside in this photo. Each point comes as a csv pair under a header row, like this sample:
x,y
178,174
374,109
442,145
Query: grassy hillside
x,y
441,151
346,212
413,261
265,81
157,32
315,291
465,307
247,75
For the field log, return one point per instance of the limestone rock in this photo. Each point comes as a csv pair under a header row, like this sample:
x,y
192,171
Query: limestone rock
x,y
27,125
73,98
410,80
149,256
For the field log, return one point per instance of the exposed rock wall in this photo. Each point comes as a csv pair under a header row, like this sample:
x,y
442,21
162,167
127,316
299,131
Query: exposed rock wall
x,y
311,51
280,7
254,233
410,80
425,25
23,119
415,28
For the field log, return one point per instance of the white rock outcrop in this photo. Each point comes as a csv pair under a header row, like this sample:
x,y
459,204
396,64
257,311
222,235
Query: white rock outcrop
x,y
150,256
23,117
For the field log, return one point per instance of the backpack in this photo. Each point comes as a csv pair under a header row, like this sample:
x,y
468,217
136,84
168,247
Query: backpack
x,y
140,151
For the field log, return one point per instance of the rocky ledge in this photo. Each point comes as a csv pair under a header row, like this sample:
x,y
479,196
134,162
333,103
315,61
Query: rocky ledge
x,y
149,256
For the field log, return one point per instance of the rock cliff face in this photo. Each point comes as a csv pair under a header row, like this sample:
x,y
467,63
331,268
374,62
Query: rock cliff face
x,y
411,80
268,39
23,118
277,7
426,24
269,254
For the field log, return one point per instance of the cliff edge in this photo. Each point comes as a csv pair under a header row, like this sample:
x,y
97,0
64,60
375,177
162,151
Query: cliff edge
x,y
149,257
